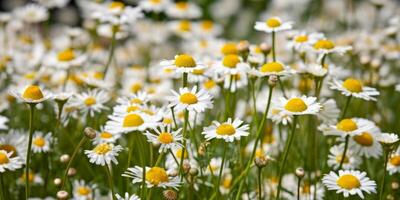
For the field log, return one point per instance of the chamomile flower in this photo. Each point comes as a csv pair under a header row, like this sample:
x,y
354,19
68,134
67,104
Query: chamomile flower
x,y
183,10
31,94
105,136
273,24
131,121
215,165
353,87
104,153
14,142
32,13
41,143
366,143
298,105
84,191
348,126
127,196
154,177
272,68
90,102
65,59
325,46
329,111
8,162
393,165
229,131
183,63
231,64
156,6
192,100
303,41
350,160
388,138
3,123
349,182
207,29
165,137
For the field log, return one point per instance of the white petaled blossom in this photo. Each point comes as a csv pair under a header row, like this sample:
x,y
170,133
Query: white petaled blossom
x,y
15,142
31,94
154,177
103,154
191,100
329,111
3,123
388,138
32,13
272,68
273,24
393,165
229,131
84,191
8,162
41,143
127,197
349,182
325,46
131,121
350,160
165,137
353,87
303,41
183,10
348,126
231,64
297,106
90,102
183,63
154,5
65,59
104,136
366,143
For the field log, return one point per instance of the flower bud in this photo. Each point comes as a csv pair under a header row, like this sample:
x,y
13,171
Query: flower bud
x,y
90,133
299,172
62,195
170,195
64,158
395,185
265,48
71,171
57,181
186,167
261,161
272,80
193,171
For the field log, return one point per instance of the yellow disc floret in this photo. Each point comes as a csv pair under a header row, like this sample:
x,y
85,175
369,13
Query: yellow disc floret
x,y
106,135
32,92
165,138
296,105
395,160
229,48
66,55
364,139
348,182
102,148
353,85
90,101
324,44
347,125
301,38
83,191
185,60
225,129
272,67
231,60
3,158
273,22
39,141
188,98
156,175
132,120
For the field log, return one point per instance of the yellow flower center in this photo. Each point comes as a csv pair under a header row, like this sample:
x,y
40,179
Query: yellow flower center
x,y
136,100
198,72
132,108
188,98
347,125
102,148
227,182
165,138
231,60
106,135
353,85
90,101
66,55
135,87
340,157
33,92
132,120
155,1
156,175
98,75
209,84
273,22
364,139
9,148
185,60
229,48
3,158
395,160
301,38
84,191
296,105
207,25
185,26
348,182
40,142
225,129
306,189
182,5
271,67
116,5
168,121
179,152
31,177
324,44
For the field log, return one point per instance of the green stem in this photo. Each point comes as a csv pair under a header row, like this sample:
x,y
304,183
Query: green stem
x,y
28,155
227,99
221,169
3,189
285,155
111,54
110,181
259,183
346,107
83,140
346,145
298,188
159,158
184,142
384,175
273,46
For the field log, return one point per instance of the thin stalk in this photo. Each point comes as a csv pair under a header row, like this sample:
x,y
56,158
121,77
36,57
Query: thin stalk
x,y
346,145
66,80
111,54
221,168
83,140
273,46
28,155
285,155
387,154
159,158
3,189
184,130
227,99
110,181
298,188
346,107
259,183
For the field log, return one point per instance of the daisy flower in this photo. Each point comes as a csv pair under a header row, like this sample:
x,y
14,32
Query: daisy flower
x,y
8,162
228,131
349,182
104,153
329,111
105,136
31,94
355,88
3,121
207,29
165,137
388,138
183,10
183,63
298,105
83,191
350,160
156,6
348,126
127,196
215,165
65,59
32,13
231,65
192,100
273,24
272,68
154,177
90,102
14,142
41,143
303,41
131,121
325,46
366,143
393,165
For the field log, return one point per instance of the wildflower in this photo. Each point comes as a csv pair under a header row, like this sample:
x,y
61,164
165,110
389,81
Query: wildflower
x,y
325,46
298,105
90,102
103,153
393,165
7,162
348,126
192,100
350,160
183,63
273,24
81,190
165,137
229,131
353,87
127,197
272,68
41,143
31,94
130,121
3,121
154,177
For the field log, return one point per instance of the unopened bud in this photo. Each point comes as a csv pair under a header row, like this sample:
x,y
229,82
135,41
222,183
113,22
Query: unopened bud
x,y
64,158
243,46
173,173
62,195
272,80
395,185
299,172
265,48
186,167
71,171
90,133
170,195
261,161
193,171
202,148
57,181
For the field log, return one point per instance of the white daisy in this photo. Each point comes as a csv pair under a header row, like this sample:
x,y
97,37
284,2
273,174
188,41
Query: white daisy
x,y
273,24
388,138
83,191
349,126
41,143
165,137
183,63
65,59
393,165
32,13
215,165
103,154
155,177
349,182
325,46
14,142
335,157
329,111
156,6
272,68
228,131
3,123
127,196
298,105
231,64
31,94
355,88
8,162
90,102
366,144
132,121
105,136
183,10
192,100
303,41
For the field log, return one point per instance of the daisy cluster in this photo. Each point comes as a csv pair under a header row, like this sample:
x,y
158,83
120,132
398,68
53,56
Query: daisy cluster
x,y
162,99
